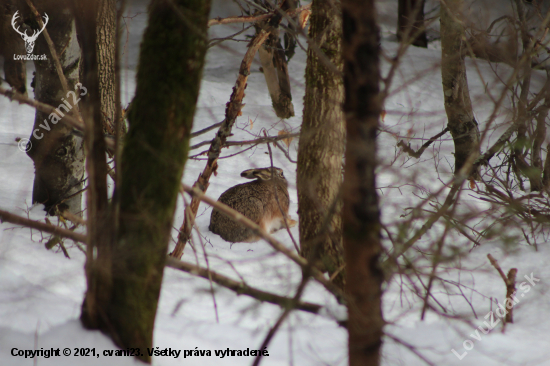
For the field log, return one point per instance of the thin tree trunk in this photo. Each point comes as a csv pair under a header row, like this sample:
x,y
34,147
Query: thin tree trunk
x,y
410,21
57,154
106,54
461,121
99,227
168,80
361,216
321,147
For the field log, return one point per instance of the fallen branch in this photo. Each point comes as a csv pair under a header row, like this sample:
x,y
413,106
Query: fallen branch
x,y
47,228
241,288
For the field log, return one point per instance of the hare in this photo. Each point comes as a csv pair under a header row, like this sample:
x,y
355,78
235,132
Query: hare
x,y
257,201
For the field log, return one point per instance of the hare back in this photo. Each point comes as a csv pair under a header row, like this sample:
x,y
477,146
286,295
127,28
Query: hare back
x,y
255,200
237,197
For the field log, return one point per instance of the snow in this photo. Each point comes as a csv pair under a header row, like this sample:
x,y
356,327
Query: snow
x,y
41,291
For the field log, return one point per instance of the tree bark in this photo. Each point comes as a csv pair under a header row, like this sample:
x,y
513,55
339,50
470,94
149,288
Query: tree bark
x,y
11,44
99,227
57,154
321,147
461,121
410,21
106,55
169,74
275,69
361,216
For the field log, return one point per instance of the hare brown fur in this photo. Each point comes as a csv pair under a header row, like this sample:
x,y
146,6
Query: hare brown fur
x,y
257,201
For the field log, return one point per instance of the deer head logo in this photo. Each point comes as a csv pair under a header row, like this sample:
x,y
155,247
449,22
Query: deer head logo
x,y
29,40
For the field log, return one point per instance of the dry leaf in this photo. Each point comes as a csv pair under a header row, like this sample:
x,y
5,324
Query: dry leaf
x,y
383,115
288,140
251,123
304,16
472,183
240,113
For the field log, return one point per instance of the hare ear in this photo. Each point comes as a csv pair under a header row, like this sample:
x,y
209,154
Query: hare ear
x,y
249,174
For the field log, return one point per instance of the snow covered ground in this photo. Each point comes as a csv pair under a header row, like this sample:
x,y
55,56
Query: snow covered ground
x,y
41,291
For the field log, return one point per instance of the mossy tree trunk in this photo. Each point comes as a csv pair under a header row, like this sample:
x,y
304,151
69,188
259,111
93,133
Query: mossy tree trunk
x,y
155,150
57,154
361,216
321,146
461,121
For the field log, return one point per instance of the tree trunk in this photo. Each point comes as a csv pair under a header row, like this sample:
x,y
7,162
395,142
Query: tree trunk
x,y
461,121
321,147
106,54
361,219
11,44
99,226
410,22
168,80
57,154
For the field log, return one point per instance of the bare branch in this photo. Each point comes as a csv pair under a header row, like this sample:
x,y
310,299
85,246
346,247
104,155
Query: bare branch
x,y
275,244
417,154
241,287
48,109
47,228
254,19
261,140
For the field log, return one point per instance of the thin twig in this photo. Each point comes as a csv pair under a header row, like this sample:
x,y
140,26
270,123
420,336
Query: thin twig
x,y
281,319
284,214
